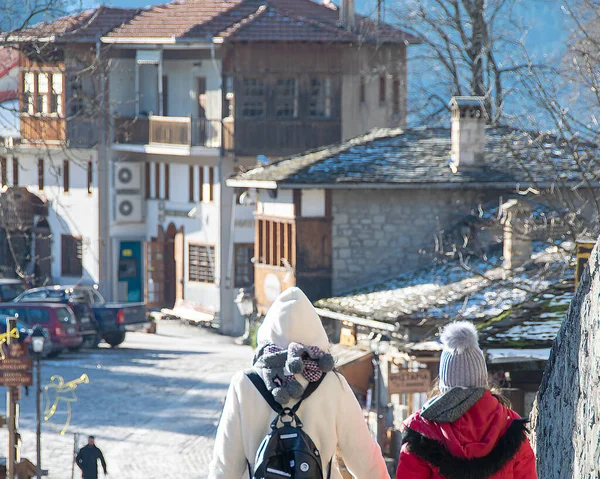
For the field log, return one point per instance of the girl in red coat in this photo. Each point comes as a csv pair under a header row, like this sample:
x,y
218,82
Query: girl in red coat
x,y
465,432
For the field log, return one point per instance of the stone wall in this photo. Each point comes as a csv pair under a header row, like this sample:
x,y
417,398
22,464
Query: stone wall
x,y
566,417
380,233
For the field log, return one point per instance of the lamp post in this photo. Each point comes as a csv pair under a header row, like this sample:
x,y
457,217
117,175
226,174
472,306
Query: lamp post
x,y
37,344
379,344
245,305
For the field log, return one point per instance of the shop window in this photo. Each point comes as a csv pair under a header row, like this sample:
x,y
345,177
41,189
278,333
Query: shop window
x,y
71,256
244,269
276,243
201,263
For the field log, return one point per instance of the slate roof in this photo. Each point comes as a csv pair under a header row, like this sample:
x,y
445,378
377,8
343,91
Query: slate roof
x,y
421,156
253,20
476,289
83,27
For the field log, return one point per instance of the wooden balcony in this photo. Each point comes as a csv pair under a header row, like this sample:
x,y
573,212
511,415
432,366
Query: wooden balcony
x,y
43,129
168,130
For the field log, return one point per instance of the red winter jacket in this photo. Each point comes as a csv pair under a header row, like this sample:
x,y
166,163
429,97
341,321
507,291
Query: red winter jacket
x,y
487,442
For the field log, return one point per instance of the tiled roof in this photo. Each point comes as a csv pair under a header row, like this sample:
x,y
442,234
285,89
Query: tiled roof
x,y
422,156
474,288
9,59
83,27
252,20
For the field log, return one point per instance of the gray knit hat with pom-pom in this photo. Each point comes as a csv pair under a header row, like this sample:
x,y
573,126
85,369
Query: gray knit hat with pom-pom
x,y
462,363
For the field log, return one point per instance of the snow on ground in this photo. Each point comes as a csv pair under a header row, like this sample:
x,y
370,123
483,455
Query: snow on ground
x,y
153,404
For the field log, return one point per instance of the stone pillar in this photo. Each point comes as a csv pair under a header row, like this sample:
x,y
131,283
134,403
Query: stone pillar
x,y
516,218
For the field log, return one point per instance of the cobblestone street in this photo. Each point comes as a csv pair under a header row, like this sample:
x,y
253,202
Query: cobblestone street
x,y
153,403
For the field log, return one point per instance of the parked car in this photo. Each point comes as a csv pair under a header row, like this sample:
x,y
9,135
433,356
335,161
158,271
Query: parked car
x,y
86,321
10,289
25,333
113,319
57,318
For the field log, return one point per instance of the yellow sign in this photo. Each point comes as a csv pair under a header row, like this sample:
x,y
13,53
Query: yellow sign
x,y
127,253
14,333
348,336
584,250
407,382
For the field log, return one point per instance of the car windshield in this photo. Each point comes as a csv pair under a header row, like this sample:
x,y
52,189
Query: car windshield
x,y
10,291
65,315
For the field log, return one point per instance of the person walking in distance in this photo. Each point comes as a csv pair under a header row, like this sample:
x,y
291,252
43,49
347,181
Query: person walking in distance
x,y
87,460
465,431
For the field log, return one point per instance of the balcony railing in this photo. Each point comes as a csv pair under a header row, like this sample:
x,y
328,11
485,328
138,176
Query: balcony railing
x,y
172,130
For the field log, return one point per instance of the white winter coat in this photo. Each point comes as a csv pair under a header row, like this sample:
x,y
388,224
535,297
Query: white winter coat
x,y
331,416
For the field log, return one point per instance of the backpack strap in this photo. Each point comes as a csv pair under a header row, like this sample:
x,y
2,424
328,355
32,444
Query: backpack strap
x,y
259,384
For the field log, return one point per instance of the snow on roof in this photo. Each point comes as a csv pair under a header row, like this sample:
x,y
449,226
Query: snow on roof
x,y
420,156
476,289
498,356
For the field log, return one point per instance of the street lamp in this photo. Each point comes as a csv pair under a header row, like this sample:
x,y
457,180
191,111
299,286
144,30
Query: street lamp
x,y
379,344
37,344
245,305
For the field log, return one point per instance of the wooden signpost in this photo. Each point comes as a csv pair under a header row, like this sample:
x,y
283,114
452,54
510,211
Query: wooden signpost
x,y
408,382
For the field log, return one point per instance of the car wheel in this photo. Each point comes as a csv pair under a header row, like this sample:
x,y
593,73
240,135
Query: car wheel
x,y
114,339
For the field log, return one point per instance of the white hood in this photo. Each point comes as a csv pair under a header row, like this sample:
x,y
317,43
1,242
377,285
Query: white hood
x,y
292,318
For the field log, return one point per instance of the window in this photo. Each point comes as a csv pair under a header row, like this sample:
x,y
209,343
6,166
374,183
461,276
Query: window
x,y
43,91
382,89
3,171
286,98
320,97
362,94
76,96
28,91
276,243
71,255
15,171
40,173
253,105
66,176
201,266
191,185
90,176
201,182
211,184
396,96
167,182
244,269
56,97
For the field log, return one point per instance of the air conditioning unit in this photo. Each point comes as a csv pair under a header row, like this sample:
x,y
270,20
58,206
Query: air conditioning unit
x,y
129,208
128,176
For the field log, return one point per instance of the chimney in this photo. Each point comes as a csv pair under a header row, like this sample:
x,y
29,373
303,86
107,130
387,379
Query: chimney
x,y
347,16
516,217
468,131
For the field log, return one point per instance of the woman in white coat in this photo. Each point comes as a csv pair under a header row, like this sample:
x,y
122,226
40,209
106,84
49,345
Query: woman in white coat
x,y
331,415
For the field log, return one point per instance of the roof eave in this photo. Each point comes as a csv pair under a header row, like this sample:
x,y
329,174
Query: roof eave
x,y
414,186
259,184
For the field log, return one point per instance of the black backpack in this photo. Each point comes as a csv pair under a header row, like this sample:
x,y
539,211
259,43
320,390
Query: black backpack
x,y
287,451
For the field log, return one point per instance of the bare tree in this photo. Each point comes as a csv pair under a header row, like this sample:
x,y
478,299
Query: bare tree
x,y
467,49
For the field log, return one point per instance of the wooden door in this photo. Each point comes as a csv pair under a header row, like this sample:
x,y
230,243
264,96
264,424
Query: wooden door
x,y
155,273
179,264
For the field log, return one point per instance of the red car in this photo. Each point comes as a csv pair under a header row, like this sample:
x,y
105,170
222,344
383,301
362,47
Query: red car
x,y
57,318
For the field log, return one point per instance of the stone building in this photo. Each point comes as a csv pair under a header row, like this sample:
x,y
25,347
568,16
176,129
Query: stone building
x,y
131,120
385,203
